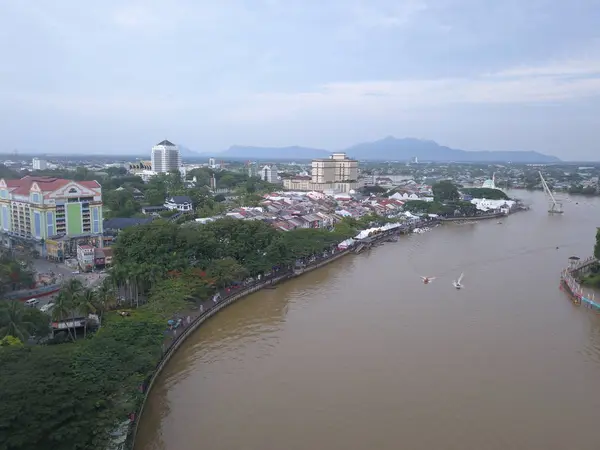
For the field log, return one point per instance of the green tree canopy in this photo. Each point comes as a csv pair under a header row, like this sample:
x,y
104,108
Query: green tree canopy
x,y
487,193
444,191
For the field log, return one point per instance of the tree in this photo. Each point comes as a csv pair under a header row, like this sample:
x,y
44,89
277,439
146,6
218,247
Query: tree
x,y
444,191
10,341
105,298
13,321
67,302
597,246
86,304
374,189
226,271
490,194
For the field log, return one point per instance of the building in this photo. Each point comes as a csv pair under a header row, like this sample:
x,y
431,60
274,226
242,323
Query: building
x,y
39,164
85,257
252,169
212,162
337,168
41,207
269,173
165,157
337,173
103,257
181,203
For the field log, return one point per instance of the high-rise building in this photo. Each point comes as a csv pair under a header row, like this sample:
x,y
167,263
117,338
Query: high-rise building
x,y
337,173
40,207
165,157
269,173
39,164
338,168
212,162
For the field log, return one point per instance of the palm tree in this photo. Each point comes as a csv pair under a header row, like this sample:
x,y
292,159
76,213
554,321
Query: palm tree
x,y
12,322
61,310
86,304
67,302
105,297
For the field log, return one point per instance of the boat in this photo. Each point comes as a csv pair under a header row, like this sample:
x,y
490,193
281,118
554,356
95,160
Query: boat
x,y
457,283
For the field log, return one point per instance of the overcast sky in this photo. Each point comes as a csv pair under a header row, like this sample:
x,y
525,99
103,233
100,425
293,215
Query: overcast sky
x,y
119,76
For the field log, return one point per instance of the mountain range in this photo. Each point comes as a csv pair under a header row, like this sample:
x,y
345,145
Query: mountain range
x,y
387,149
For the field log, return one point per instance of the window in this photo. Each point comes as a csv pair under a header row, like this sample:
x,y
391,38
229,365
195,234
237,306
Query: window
x,y
72,191
3,193
35,197
95,220
37,224
50,223
5,218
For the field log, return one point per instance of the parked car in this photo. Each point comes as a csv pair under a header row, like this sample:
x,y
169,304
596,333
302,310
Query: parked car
x,y
47,307
32,302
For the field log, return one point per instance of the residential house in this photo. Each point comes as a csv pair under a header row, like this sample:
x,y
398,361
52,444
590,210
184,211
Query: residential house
x,y
85,257
181,203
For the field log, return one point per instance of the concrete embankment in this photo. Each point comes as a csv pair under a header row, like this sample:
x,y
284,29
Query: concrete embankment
x,y
481,217
570,285
196,323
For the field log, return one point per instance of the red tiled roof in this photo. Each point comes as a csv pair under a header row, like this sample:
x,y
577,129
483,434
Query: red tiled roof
x,y
46,184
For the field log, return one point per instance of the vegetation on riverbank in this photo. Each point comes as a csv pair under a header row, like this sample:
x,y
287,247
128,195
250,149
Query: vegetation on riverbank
x,y
593,278
447,200
70,396
487,193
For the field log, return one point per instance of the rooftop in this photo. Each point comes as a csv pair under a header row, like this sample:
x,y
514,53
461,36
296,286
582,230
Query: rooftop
x,y
167,143
46,184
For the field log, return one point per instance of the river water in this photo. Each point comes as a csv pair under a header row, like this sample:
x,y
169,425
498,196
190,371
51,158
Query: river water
x,y
361,355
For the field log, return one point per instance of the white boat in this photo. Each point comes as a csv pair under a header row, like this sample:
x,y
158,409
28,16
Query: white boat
x,y
457,283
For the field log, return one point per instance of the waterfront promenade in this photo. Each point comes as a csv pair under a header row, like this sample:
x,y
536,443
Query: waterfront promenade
x,y
574,290
192,320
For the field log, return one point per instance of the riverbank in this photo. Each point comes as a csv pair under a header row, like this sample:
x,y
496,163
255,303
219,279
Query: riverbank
x,y
473,218
570,285
210,307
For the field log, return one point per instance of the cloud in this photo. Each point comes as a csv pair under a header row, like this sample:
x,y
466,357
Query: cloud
x,y
571,80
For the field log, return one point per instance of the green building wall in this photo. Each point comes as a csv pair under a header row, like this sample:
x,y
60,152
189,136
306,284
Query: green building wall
x,y
74,222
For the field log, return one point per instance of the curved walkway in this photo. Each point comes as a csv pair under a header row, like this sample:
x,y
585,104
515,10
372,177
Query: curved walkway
x,y
207,309
571,286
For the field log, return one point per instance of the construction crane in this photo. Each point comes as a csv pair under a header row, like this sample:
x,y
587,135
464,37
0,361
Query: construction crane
x,y
554,206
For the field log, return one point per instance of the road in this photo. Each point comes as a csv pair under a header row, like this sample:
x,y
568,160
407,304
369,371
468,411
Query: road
x,y
64,272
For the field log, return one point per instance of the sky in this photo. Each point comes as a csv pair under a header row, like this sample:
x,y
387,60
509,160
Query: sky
x,y
116,77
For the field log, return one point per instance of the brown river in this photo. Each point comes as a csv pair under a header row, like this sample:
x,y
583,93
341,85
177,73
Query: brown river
x,y
361,355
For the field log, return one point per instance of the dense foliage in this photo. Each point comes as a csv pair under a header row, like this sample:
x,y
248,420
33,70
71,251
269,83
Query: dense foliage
x,y
67,396
15,274
71,395
445,191
224,248
125,194
487,193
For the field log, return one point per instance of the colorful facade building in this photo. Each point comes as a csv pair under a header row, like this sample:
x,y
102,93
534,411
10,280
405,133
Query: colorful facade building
x,y
39,208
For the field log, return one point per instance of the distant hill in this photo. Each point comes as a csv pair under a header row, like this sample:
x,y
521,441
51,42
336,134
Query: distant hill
x,y
391,149
186,152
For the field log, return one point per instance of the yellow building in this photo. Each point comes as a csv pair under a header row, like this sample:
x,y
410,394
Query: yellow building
x,y
37,208
337,173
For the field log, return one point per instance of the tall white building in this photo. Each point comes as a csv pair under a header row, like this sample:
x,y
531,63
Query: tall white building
x,y
269,173
165,157
39,164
